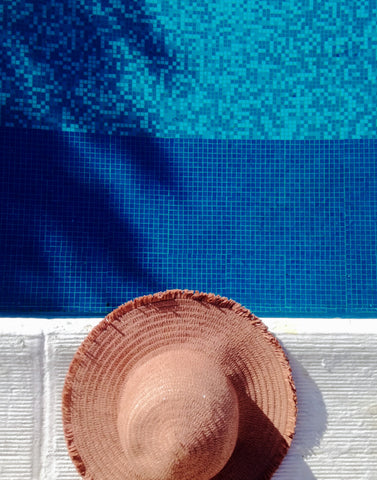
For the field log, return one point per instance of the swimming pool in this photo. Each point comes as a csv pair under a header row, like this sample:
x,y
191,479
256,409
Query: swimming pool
x,y
227,147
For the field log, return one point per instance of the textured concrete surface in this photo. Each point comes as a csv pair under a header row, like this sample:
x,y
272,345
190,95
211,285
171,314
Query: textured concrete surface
x,y
334,366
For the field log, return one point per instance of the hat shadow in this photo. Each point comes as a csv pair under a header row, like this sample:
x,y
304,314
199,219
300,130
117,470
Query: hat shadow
x,y
310,427
261,450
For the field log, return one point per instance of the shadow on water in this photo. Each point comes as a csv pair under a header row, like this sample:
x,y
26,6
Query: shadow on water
x,y
79,52
78,49
53,215
155,161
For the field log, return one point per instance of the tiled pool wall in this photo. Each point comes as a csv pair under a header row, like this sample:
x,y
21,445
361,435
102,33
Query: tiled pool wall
x,y
225,146
290,69
284,227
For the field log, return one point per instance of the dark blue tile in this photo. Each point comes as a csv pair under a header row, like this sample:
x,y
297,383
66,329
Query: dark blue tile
x,y
90,221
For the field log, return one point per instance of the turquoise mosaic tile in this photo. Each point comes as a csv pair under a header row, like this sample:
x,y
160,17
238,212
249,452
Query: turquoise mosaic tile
x,y
224,146
191,69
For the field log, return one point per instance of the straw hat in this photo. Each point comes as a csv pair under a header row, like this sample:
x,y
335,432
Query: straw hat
x,y
179,386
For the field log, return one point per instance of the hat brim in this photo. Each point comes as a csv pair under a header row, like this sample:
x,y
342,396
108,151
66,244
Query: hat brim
x,y
250,357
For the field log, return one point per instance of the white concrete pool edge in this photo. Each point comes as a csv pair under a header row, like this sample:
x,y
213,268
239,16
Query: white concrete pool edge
x,y
334,366
279,325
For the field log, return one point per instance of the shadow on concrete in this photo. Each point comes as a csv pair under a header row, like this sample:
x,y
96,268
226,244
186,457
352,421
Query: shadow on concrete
x,y
310,428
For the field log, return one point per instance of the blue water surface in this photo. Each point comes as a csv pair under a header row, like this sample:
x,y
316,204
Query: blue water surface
x,y
219,146
285,69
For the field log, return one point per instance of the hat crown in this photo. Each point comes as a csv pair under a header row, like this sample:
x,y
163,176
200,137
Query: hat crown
x,y
178,417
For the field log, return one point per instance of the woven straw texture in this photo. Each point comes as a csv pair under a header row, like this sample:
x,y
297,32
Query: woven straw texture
x,y
179,385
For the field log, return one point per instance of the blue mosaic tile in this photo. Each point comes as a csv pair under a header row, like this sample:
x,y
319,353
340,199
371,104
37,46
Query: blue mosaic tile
x,y
88,222
360,159
220,146
290,69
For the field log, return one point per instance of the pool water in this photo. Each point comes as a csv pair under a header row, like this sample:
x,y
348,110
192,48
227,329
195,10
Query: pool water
x,y
220,146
